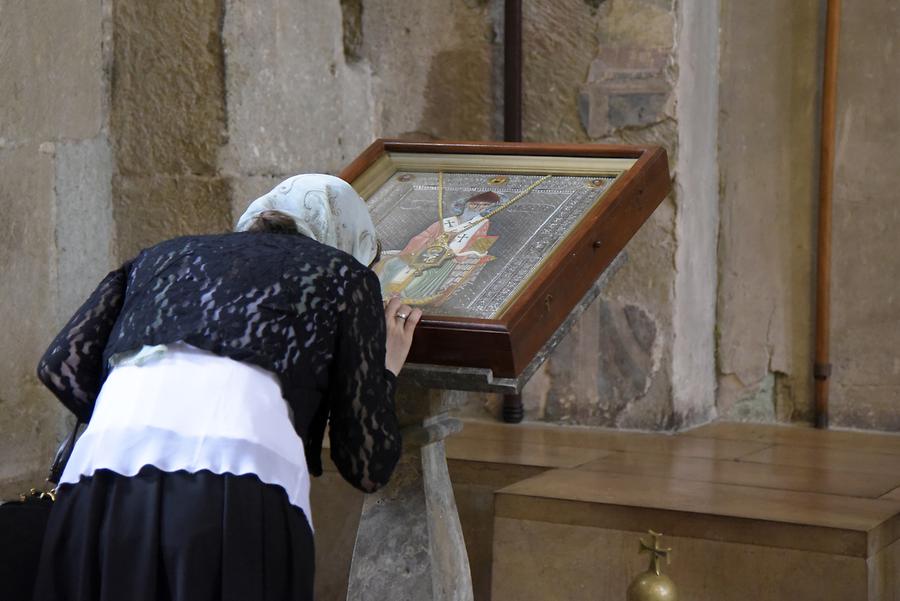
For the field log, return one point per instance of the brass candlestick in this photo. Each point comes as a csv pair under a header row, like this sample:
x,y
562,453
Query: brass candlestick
x,y
653,585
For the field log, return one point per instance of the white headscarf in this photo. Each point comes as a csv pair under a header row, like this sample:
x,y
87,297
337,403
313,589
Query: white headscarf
x,y
325,208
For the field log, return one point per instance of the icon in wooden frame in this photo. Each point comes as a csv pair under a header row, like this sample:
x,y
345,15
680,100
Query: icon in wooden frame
x,y
497,242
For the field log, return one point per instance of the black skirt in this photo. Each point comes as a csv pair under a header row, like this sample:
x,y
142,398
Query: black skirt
x,y
175,536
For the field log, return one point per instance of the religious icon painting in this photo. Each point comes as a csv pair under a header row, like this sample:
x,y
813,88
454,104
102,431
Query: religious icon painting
x,y
497,242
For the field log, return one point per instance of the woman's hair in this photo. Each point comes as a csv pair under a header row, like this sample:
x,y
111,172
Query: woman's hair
x,y
273,222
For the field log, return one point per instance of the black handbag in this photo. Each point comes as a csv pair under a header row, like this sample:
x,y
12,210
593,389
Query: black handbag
x,y
22,526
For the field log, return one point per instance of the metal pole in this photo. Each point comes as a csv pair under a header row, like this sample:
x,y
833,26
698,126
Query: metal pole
x,y
513,410
822,365
512,71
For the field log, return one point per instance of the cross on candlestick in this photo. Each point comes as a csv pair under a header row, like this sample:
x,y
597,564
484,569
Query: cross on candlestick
x,y
656,551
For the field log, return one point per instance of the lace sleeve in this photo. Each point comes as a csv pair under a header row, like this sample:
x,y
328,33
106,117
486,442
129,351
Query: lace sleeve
x,y
365,438
72,368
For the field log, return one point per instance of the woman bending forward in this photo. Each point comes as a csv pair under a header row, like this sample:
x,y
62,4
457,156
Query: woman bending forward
x,y
208,368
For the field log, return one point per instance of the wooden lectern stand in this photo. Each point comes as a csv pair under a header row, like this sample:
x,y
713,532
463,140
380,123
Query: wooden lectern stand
x,y
503,246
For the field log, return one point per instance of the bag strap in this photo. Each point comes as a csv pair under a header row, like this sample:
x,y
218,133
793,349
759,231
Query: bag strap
x,y
63,453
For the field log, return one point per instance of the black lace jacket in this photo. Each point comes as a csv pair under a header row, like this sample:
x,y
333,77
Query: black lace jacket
x,y
310,314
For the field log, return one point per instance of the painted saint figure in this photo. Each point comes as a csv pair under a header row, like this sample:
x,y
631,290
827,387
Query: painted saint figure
x,y
440,259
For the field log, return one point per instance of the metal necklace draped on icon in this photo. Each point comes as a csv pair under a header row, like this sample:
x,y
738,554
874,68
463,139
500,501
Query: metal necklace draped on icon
x,y
448,253
514,199
447,236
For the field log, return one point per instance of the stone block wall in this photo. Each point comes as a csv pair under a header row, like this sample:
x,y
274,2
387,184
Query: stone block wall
x,y
294,102
433,70
866,253
769,167
167,95
56,232
611,72
769,134
124,122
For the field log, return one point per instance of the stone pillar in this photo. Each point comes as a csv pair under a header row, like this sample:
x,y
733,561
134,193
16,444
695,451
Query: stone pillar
x,y
409,545
697,219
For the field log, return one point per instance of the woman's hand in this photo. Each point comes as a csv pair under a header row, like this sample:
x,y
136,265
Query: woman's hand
x,y
401,322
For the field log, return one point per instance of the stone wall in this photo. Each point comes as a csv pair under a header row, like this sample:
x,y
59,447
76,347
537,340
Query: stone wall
x,y
614,72
865,320
768,166
295,102
167,122
606,73
769,130
55,237
126,122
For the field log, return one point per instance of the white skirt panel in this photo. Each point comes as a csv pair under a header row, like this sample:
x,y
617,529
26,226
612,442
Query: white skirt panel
x,y
192,410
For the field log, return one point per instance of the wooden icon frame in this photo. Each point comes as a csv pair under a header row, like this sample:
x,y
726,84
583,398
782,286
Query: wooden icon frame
x,y
505,340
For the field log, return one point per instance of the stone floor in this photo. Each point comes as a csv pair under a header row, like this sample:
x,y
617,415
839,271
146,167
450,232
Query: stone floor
x,y
752,512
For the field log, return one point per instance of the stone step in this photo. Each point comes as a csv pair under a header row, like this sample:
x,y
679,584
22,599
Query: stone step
x,y
801,436
611,440
511,452
826,458
757,511
851,483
